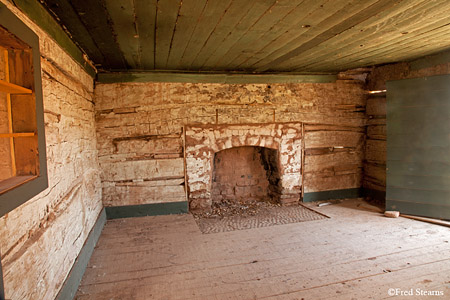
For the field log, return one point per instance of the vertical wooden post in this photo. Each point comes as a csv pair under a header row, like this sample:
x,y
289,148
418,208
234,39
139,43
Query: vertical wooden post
x,y
274,115
8,106
303,162
217,116
185,166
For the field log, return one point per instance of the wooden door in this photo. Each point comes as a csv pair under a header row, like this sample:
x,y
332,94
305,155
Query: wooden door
x,y
418,146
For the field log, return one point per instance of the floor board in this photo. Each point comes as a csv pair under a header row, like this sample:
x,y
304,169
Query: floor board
x,y
355,254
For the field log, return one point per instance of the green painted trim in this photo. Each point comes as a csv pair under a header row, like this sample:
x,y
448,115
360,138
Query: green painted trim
x,y
205,77
153,209
36,12
19,195
70,286
430,61
335,194
374,194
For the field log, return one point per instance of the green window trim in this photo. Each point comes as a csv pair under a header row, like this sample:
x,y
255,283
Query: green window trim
x,y
16,196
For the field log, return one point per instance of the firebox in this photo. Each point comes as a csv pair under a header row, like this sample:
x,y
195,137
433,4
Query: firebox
x,y
246,161
245,174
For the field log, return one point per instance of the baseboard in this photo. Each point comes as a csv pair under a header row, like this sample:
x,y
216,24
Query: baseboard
x,y
334,194
374,194
70,286
142,210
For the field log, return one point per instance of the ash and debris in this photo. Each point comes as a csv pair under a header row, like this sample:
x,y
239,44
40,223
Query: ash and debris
x,y
229,208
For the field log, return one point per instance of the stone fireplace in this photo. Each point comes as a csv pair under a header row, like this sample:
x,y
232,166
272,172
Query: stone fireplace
x,y
256,162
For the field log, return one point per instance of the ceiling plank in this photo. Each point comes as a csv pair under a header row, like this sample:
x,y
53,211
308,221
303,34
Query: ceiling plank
x,y
257,10
245,45
382,45
146,24
190,12
36,12
344,25
228,78
433,42
123,17
371,33
63,10
233,16
306,23
95,19
292,21
166,20
208,21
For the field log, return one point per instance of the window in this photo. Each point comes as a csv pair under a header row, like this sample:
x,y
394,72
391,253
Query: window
x,y
23,171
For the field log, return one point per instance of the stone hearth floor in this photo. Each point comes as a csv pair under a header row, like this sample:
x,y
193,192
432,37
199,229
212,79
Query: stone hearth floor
x,y
253,215
357,253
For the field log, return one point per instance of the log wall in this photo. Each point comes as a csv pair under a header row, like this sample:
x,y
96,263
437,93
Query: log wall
x,y
140,131
40,240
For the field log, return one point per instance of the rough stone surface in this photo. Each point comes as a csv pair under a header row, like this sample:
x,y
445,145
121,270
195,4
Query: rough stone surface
x,y
239,174
40,240
142,122
261,216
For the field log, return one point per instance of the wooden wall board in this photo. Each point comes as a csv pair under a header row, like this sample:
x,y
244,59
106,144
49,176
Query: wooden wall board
x,y
418,160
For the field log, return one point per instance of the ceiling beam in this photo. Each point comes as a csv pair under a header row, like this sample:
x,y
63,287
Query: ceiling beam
x,y
207,77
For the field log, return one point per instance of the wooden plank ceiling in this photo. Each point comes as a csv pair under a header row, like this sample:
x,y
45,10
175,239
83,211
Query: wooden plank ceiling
x,y
317,36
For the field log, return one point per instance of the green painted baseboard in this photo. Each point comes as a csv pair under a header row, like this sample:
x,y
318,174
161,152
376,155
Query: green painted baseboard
x,y
154,209
335,194
72,282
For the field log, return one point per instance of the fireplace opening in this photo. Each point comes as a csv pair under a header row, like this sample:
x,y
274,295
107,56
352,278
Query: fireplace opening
x,y
245,176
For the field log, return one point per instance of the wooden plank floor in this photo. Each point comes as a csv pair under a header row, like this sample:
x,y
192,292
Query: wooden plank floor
x,y
356,254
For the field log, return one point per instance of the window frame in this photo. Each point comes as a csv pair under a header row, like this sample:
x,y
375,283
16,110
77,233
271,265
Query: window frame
x,y
16,196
